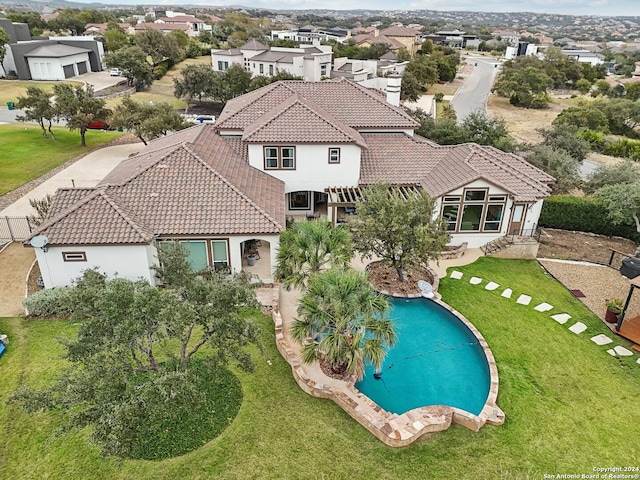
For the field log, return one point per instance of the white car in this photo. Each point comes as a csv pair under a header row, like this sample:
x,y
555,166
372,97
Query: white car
x,y
115,72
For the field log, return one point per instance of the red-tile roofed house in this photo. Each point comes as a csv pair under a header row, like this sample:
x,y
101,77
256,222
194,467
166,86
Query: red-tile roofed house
x,y
289,149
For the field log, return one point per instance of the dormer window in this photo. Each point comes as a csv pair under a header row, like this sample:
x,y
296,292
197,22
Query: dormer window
x,y
279,158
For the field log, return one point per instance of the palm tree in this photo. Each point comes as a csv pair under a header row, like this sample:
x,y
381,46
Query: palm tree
x,y
310,247
346,319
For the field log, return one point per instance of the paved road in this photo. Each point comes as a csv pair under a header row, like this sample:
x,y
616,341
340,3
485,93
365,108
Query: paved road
x,y
474,91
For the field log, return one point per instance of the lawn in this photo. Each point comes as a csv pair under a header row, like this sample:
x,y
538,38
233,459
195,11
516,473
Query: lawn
x,y
162,90
10,90
25,154
569,406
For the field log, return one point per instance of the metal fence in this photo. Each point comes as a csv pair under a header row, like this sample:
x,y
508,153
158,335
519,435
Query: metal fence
x,y
15,229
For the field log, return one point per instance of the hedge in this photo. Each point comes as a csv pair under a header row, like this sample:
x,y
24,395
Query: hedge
x,y
582,214
52,302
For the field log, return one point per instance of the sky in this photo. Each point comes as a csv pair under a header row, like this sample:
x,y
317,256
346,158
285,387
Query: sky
x,y
572,7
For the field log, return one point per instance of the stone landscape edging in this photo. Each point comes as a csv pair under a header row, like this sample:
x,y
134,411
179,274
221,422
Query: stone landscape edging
x,y
392,429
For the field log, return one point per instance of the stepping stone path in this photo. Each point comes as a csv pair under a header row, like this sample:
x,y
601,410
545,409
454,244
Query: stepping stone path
x,y
578,328
623,352
601,339
543,307
561,317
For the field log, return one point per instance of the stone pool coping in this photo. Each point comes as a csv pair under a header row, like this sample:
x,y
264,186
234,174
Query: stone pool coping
x,y
392,429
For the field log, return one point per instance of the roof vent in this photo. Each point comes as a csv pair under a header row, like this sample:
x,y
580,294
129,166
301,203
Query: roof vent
x,y
162,165
154,194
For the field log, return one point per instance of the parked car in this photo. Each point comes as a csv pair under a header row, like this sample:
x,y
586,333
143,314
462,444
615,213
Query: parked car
x,y
98,126
115,72
203,119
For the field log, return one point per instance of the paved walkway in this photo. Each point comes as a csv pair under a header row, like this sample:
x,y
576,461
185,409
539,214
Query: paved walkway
x,y
86,172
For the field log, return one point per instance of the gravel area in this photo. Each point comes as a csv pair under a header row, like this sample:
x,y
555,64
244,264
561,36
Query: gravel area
x,y
597,282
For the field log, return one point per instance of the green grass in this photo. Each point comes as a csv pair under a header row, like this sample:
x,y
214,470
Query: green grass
x,y
569,406
162,89
25,154
440,106
10,90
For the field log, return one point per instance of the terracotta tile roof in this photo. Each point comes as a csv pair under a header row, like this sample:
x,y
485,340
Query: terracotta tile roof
x,y
203,187
161,26
399,158
399,32
370,38
352,104
298,120
95,219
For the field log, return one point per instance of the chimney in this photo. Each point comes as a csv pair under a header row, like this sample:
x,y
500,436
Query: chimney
x,y
376,32
348,34
394,82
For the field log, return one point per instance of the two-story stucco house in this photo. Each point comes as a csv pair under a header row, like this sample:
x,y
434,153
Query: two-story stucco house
x,y
289,149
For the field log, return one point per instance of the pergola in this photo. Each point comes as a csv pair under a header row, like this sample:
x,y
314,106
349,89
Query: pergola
x,y
633,284
346,197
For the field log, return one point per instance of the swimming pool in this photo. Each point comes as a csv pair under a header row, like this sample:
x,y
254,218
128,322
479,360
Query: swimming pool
x,y
437,360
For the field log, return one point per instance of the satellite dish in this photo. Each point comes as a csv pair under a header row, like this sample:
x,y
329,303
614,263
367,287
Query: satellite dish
x,y
39,241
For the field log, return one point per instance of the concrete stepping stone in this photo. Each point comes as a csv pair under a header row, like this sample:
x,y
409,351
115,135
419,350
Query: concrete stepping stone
x,y
578,328
623,352
561,318
475,281
611,352
638,361
524,300
543,307
491,286
507,293
601,339
456,275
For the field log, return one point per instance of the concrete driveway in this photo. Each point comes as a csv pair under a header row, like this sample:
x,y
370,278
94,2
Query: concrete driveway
x,y
99,80
86,172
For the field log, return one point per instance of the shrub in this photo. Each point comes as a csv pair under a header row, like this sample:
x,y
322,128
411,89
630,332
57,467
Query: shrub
x,y
52,302
586,214
623,148
439,97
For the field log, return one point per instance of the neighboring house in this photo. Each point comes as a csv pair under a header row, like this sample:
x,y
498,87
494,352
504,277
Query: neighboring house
x,y
56,58
369,73
194,25
163,27
366,40
585,56
455,39
507,36
309,34
99,28
408,37
290,149
311,62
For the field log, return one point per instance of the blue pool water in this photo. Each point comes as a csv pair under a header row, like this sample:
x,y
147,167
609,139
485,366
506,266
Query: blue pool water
x,y
436,361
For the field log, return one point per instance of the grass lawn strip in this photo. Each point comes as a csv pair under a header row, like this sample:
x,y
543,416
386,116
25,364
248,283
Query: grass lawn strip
x,y
25,154
569,407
